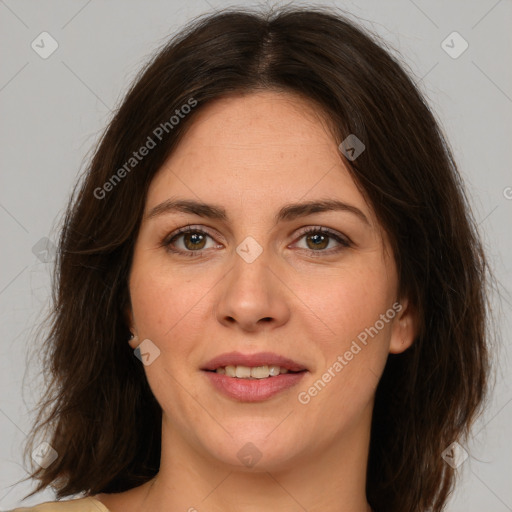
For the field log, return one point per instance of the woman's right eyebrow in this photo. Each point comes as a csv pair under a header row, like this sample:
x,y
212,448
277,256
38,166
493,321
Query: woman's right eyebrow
x,y
209,211
288,212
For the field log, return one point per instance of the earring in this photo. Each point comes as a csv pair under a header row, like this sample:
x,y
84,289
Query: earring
x,y
133,337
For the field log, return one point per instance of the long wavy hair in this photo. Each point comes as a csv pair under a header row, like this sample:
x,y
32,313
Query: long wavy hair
x,y
99,413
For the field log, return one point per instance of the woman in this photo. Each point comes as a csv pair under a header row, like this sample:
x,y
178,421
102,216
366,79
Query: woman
x,y
271,293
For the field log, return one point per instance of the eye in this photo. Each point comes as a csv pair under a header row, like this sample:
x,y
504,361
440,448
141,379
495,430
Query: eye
x,y
188,240
318,239
192,241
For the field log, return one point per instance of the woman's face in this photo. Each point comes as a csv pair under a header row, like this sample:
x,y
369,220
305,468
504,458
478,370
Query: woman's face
x,y
262,284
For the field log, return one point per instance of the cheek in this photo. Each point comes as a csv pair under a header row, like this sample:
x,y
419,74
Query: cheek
x,y
167,307
352,330
166,301
348,302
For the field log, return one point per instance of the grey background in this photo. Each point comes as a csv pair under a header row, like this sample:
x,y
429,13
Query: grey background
x,y
53,110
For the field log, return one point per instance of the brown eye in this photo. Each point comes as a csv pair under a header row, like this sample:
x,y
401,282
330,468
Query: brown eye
x,y
189,241
194,240
318,240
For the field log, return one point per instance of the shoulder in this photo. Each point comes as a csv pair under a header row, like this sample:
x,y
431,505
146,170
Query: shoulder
x,y
76,505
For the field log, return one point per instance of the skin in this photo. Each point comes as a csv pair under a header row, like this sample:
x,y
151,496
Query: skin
x,y
252,154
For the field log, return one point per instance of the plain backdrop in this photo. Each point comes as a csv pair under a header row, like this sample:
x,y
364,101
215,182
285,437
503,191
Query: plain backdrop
x,y
53,109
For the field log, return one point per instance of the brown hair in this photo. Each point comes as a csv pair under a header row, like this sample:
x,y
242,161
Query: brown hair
x,y
101,416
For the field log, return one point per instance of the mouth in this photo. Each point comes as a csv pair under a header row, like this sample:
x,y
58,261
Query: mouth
x,y
253,377
255,372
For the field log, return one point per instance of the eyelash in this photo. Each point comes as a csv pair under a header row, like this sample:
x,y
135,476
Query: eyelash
x,y
167,242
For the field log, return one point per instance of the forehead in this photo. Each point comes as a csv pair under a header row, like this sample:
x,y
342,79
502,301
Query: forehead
x,y
256,116
258,150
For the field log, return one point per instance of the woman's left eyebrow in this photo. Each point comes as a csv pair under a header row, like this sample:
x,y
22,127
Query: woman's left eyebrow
x,y
288,212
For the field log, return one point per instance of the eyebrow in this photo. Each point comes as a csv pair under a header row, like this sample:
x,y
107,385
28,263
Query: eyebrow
x,y
288,212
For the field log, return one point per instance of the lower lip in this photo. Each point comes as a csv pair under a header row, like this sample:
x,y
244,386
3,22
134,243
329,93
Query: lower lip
x,y
253,390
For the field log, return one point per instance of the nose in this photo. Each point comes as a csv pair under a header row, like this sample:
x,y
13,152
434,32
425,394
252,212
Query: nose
x,y
252,296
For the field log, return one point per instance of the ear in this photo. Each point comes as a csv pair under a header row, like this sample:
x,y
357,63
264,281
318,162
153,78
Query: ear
x,y
133,342
405,327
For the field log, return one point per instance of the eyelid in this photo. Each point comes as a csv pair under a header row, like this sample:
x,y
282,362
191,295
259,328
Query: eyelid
x,y
192,227
343,240
166,242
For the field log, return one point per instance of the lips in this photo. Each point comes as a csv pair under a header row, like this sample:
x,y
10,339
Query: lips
x,y
253,360
253,377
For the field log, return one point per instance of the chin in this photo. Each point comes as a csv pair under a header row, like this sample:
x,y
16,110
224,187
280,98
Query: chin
x,y
261,450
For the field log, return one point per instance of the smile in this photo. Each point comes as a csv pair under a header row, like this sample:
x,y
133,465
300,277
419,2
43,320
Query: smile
x,y
256,372
253,377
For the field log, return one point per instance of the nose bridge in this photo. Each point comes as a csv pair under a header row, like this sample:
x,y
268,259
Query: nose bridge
x,y
252,293
251,267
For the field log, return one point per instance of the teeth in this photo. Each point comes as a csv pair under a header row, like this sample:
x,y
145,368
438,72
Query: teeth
x,y
274,371
260,372
243,372
256,372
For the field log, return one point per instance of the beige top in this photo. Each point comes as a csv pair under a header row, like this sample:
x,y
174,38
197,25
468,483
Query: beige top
x,y
77,505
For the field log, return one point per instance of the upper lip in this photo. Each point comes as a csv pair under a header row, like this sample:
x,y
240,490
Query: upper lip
x,y
259,359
